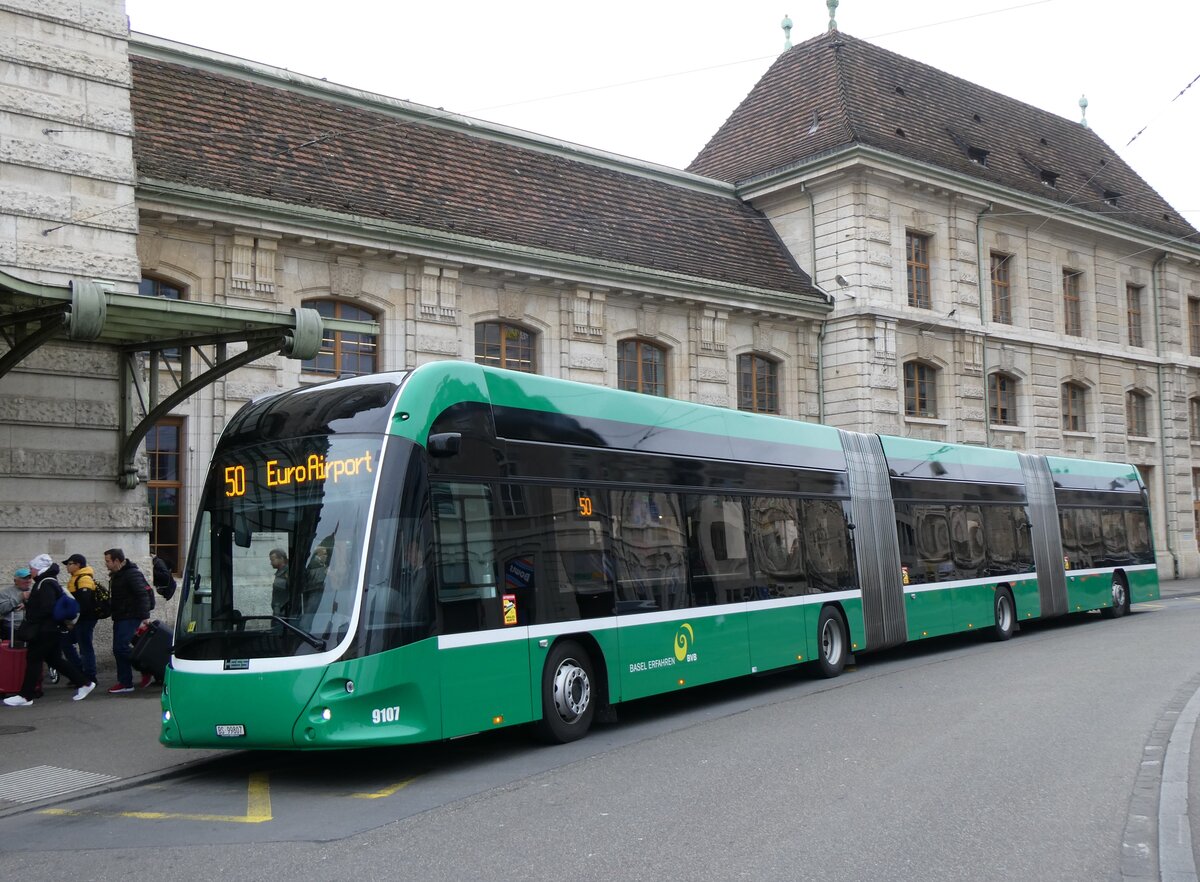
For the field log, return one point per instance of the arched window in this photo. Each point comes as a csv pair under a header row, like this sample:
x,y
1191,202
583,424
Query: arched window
x,y
1074,407
151,287
502,345
641,367
165,448
343,353
920,389
1194,422
758,384
1002,399
1137,413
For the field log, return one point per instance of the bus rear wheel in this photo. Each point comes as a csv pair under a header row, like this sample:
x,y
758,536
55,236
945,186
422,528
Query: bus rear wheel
x,y
1006,615
831,643
568,699
1120,599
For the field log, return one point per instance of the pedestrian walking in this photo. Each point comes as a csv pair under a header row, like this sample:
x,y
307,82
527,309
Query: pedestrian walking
x,y
82,585
130,594
11,598
41,635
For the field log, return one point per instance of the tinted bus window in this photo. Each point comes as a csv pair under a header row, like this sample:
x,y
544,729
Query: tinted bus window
x,y
830,556
649,550
778,551
720,565
967,539
463,521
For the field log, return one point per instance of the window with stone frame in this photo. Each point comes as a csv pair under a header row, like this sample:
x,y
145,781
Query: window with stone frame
x,y
1133,315
1002,399
1137,413
1074,407
1194,325
1072,305
641,367
1001,288
152,287
164,490
917,249
505,345
758,384
343,353
920,389
1194,419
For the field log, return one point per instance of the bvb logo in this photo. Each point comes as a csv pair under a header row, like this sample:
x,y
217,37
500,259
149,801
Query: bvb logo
x,y
683,640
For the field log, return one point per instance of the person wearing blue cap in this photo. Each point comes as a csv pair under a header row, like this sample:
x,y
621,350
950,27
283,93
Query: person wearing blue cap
x,y
12,597
42,637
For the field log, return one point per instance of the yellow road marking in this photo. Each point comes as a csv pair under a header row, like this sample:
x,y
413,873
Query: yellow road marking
x,y
386,791
258,808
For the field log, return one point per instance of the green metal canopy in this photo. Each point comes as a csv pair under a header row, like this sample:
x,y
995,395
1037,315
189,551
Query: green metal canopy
x,y
196,334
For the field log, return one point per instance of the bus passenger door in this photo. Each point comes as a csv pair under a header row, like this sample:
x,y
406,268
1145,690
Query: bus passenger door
x,y
482,644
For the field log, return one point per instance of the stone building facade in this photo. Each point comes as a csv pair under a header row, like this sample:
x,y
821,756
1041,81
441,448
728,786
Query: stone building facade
x,y
971,298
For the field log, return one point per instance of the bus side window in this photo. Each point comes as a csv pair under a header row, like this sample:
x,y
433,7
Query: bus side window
x,y
717,557
463,519
778,550
827,545
650,551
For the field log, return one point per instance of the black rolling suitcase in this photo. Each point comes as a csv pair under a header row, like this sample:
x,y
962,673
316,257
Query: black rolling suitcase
x,y
152,650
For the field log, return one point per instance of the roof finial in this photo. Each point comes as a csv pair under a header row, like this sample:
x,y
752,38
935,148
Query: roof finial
x,y
833,5
786,24
1083,107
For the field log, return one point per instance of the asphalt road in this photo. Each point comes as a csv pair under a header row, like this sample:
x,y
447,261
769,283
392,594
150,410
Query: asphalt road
x,y
951,760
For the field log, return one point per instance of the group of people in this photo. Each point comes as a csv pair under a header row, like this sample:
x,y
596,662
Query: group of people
x,y
35,592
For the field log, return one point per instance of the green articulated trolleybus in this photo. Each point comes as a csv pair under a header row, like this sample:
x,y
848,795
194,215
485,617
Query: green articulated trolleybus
x,y
406,557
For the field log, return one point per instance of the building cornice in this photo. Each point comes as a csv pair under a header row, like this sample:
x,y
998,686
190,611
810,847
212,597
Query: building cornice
x,y
861,156
255,213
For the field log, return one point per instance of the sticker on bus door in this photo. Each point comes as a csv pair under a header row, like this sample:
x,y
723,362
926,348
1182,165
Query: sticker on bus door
x,y
510,609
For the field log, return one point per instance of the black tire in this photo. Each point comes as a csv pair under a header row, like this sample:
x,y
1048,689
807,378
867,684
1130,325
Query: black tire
x,y
568,694
832,643
1006,615
1120,599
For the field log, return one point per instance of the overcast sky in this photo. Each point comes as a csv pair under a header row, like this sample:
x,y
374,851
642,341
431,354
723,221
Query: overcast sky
x,y
655,79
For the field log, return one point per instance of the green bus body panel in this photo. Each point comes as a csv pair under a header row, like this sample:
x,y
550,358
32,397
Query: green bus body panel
x,y
783,636
430,389
266,704
966,455
485,683
929,613
1143,585
668,655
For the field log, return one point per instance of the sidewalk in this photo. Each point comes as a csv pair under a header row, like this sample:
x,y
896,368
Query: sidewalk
x,y
110,741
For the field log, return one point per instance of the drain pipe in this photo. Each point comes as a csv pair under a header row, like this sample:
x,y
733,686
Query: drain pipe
x,y
1155,288
983,320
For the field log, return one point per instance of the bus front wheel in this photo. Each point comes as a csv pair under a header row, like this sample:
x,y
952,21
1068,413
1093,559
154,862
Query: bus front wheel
x,y
568,697
1120,599
831,642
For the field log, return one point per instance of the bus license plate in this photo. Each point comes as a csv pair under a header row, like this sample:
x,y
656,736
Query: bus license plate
x,y
237,731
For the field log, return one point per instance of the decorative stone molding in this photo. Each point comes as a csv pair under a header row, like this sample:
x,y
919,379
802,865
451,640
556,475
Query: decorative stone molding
x,y
647,321
588,312
713,324
714,400
345,279
713,374
587,362
252,264
437,345
510,303
438,294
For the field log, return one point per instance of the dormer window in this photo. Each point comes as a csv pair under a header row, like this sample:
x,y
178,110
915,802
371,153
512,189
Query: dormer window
x,y
1049,178
900,91
1111,197
977,154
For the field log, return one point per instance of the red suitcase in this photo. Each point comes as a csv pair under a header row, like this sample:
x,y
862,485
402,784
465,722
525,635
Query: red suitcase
x,y
12,668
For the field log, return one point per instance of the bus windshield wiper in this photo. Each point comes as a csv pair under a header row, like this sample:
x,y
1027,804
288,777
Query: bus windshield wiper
x,y
316,643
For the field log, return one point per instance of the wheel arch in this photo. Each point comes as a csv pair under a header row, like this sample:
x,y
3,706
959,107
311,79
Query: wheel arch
x,y
591,646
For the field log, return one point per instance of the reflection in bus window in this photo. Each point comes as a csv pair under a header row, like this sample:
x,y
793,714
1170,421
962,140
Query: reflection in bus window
x,y
827,545
778,553
720,567
650,551
466,555
966,530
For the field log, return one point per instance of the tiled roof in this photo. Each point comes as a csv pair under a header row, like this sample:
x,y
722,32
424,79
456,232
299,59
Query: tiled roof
x,y
834,91
231,134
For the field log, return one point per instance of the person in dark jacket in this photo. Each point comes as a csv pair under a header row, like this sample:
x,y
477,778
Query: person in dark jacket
x,y
130,596
41,635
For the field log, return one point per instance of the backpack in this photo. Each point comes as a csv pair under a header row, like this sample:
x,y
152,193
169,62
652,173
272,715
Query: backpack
x,y
94,603
66,608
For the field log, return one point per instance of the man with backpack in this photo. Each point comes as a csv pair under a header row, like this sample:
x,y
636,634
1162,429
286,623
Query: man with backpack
x,y
82,586
40,631
132,599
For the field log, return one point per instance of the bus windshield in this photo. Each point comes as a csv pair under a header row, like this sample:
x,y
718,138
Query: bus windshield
x,y
277,557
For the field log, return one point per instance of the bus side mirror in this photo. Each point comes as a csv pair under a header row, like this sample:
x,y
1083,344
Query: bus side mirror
x,y
444,444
